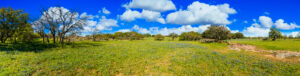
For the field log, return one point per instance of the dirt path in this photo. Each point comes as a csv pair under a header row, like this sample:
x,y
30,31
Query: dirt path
x,y
276,53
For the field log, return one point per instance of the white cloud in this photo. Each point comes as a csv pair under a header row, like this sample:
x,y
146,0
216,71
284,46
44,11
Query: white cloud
x,y
253,31
167,31
84,15
201,13
106,24
105,11
140,30
102,24
262,28
265,21
124,30
285,26
153,5
130,15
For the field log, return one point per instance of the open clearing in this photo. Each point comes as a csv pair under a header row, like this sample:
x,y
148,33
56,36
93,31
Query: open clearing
x,y
142,57
289,44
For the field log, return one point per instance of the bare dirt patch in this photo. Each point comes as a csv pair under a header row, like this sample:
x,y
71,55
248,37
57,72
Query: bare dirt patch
x,y
276,53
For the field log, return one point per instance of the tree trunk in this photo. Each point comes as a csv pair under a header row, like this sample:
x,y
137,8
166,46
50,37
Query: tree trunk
x,y
48,39
53,35
43,38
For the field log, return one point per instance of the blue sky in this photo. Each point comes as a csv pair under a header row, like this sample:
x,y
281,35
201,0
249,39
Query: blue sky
x,y
251,17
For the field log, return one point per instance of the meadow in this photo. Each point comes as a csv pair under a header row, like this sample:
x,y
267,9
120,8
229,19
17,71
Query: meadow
x,y
281,44
141,57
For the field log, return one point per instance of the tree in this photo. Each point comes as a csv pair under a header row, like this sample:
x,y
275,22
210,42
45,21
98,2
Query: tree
x,y
60,21
190,36
159,37
298,35
39,27
237,35
13,23
274,34
291,37
147,35
173,35
217,32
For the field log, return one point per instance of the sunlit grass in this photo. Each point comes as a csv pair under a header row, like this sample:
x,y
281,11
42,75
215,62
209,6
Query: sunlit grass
x,y
141,57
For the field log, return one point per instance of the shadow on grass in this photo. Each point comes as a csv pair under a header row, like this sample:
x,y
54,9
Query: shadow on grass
x,y
83,44
26,47
39,46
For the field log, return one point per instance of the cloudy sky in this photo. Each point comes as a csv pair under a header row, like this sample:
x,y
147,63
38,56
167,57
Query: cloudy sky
x,y
251,17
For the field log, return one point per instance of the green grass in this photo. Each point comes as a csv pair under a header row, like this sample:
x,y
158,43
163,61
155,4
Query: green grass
x,y
143,57
289,44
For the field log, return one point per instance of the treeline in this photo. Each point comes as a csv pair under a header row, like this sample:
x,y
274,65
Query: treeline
x,y
117,36
57,24
214,32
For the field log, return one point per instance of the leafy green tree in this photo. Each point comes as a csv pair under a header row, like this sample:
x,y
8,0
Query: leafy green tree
x,y
217,32
173,35
12,24
147,35
159,37
190,36
237,35
274,34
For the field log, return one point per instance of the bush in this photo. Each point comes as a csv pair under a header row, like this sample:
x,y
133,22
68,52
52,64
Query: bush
x,y
159,37
190,36
237,35
217,32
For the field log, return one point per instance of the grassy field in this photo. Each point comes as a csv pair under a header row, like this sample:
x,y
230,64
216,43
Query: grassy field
x,y
144,57
289,44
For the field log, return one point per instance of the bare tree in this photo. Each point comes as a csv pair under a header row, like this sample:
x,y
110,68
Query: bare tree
x,y
61,21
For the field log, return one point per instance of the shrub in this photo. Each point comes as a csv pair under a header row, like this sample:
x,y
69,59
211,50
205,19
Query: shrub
x,y
159,37
190,36
217,32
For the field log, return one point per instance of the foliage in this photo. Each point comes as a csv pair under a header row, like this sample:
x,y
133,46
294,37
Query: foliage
x,y
217,32
147,35
237,35
274,34
159,37
190,36
13,23
173,35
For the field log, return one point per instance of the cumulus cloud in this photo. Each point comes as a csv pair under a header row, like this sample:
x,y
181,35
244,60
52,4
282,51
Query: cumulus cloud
x,y
153,5
253,31
105,11
102,24
201,13
124,30
140,30
130,15
167,31
85,15
285,26
260,29
265,21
